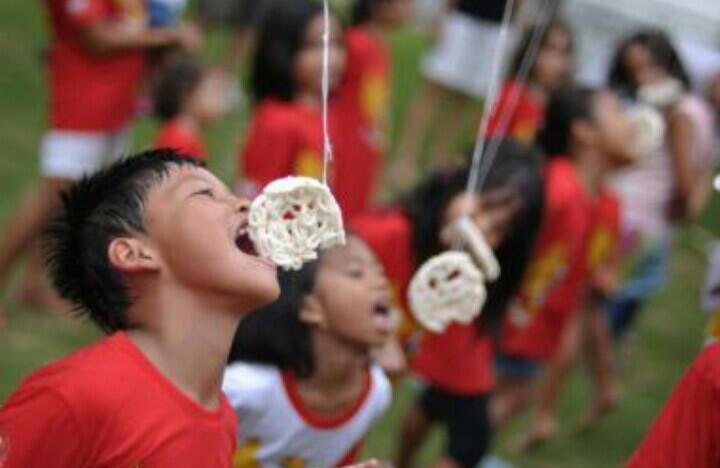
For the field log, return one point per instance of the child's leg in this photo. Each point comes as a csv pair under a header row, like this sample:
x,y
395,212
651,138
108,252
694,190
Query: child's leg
x,y
469,431
414,429
544,424
513,389
599,352
28,221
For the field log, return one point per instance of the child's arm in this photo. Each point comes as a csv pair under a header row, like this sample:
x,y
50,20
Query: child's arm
x,y
106,37
39,430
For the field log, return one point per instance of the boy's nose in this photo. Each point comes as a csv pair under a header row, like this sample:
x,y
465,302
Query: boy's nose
x,y
242,205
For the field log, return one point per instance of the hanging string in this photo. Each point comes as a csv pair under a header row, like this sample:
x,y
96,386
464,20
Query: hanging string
x,y
513,100
490,97
327,146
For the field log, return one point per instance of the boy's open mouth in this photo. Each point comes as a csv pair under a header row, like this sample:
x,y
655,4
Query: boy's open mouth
x,y
381,309
243,241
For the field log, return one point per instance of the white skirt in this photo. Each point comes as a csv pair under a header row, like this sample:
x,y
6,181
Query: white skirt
x,y
462,57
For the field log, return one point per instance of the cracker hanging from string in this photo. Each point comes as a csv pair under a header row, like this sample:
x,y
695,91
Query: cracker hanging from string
x,y
447,288
648,130
295,216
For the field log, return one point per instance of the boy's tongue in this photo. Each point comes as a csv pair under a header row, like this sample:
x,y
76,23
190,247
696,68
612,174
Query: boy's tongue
x,y
383,322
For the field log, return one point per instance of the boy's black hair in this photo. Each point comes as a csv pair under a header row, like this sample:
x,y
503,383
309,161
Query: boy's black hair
x,y
567,104
662,51
179,76
275,335
517,168
96,210
522,49
280,37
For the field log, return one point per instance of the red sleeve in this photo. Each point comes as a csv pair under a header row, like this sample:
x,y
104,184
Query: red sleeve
x,y
39,429
82,13
169,137
687,432
269,151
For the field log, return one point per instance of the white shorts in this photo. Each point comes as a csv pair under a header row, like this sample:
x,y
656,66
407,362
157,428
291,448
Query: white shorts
x,y
68,154
462,57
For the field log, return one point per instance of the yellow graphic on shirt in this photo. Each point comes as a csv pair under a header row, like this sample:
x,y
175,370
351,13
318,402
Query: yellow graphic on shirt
x,y
246,455
133,12
293,462
602,245
524,132
374,101
712,328
542,276
308,163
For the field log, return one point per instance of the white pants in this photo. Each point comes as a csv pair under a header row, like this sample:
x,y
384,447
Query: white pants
x,y
69,154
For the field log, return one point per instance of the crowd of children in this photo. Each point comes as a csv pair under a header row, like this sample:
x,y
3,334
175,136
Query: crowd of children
x,y
155,249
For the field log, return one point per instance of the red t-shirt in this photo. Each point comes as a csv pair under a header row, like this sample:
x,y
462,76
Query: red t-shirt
x,y
527,118
180,137
108,406
286,139
363,117
90,92
551,289
457,360
687,432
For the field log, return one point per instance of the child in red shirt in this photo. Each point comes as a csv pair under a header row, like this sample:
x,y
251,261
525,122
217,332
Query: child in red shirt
x,y
285,135
364,93
187,97
456,365
588,133
520,110
155,250
96,63
686,434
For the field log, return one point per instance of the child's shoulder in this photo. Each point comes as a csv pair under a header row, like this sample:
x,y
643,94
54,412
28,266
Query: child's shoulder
x,y
280,117
382,386
563,186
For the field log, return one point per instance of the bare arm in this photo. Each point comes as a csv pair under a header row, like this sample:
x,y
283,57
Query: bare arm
x,y
108,37
680,143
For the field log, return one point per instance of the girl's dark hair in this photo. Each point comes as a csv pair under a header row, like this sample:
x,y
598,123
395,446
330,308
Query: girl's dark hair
x,y
517,168
274,334
280,37
180,75
567,104
362,11
521,51
662,51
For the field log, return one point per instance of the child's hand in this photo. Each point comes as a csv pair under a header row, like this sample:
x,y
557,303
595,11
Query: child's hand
x,y
189,37
492,212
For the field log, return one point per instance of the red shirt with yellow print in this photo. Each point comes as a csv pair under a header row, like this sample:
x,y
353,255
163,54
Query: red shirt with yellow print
x,y
458,360
363,113
551,289
517,114
89,92
603,250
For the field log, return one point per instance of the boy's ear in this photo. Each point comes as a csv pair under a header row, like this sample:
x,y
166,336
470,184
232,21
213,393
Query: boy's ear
x,y
132,255
312,312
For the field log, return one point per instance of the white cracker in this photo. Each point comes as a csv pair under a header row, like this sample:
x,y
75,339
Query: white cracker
x,y
447,288
292,219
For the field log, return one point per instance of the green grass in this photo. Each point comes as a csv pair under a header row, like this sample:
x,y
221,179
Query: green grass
x,y
668,335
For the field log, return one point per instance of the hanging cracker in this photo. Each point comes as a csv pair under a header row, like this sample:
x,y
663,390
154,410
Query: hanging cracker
x,y
292,219
447,288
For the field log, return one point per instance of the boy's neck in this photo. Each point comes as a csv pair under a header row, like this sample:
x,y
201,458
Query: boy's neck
x,y
309,100
592,169
187,339
339,375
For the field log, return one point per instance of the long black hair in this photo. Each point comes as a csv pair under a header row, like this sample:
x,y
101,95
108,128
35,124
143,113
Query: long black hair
x,y
662,51
567,104
281,33
275,334
517,168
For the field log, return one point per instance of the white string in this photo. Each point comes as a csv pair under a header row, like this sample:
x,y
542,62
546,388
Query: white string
x,y
327,146
521,77
493,86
